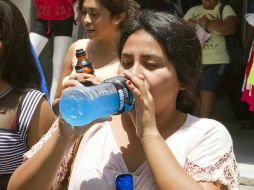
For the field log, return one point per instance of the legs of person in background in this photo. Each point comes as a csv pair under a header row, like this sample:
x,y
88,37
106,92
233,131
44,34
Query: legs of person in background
x,y
61,44
207,103
211,80
38,41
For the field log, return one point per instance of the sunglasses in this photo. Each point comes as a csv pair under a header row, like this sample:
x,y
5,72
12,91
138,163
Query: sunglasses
x,y
124,182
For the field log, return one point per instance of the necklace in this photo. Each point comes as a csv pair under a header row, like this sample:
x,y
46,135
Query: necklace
x,y
6,92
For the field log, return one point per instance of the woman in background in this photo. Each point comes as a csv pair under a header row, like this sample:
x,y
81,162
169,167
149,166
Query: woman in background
x,y
102,21
25,114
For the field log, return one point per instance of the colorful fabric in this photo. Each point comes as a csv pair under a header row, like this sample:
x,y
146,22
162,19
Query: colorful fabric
x,y
248,90
251,76
54,9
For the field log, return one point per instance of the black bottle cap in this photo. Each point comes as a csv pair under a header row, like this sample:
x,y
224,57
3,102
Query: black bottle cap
x,y
80,52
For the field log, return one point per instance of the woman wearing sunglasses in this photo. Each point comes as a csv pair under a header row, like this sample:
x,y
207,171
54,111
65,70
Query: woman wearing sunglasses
x,y
158,145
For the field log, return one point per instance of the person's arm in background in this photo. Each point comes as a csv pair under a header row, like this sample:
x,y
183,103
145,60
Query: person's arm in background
x,y
40,169
42,119
66,70
192,23
226,27
188,17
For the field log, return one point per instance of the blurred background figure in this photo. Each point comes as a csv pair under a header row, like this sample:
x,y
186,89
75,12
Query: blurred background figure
x,y
171,6
248,90
25,114
215,58
53,19
187,4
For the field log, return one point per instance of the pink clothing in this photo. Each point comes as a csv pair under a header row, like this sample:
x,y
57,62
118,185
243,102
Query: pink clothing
x,y
206,153
54,9
248,90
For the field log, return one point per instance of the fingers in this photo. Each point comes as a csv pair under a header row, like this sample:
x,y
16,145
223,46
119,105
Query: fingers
x,y
71,83
80,76
73,132
137,84
77,79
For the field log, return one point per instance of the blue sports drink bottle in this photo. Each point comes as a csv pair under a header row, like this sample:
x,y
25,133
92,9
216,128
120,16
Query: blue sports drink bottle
x,y
81,105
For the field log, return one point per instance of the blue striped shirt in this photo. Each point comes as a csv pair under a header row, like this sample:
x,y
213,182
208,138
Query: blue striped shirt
x,y
13,142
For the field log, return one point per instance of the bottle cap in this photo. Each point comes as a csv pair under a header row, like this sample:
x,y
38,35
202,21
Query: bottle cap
x,y
80,52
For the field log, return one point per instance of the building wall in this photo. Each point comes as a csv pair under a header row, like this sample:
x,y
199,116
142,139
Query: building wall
x,y
25,7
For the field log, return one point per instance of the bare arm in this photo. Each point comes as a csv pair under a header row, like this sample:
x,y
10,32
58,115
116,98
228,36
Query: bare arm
x,y
42,119
159,157
226,27
166,171
66,70
39,171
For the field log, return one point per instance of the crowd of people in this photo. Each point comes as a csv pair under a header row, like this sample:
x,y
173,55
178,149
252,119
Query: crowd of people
x,y
172,72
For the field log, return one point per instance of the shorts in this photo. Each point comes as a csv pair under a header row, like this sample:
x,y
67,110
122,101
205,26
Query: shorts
x,y
56,27
213,76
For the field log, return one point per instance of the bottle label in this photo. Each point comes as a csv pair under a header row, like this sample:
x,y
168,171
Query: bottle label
x,y
102,90
126,98
83,69
121,99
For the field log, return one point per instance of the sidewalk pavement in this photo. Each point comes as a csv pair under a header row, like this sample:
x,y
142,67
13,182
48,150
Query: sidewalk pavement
x,y
243,140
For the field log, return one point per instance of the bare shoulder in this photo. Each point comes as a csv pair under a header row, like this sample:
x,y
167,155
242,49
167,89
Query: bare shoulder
x,y
82,43
42,120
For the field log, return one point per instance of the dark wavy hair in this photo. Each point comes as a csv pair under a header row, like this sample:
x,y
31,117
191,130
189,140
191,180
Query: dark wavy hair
x,y
181,45
115,7
17,65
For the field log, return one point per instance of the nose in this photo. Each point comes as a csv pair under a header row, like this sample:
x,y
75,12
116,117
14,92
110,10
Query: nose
x,y
136,68
86,18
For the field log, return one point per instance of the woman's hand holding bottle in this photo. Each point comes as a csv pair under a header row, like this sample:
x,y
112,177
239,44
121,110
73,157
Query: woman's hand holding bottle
x,y
144,114
65,129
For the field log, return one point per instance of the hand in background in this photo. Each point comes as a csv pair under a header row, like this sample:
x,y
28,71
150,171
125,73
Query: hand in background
x,y
203,22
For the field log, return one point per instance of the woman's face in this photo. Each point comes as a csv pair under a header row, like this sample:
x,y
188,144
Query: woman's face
x,y
142,54
209,4
97,20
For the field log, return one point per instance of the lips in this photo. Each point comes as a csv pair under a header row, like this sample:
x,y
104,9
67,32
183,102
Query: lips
x,y
89,28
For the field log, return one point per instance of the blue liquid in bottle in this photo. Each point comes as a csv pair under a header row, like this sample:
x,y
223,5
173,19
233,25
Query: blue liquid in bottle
x,y
81,105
